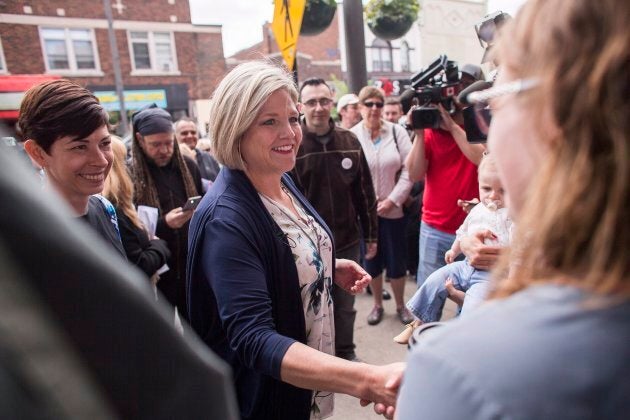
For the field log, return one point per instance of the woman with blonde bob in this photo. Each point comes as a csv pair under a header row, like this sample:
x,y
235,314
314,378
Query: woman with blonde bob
x,y
149,254
554,341
261,265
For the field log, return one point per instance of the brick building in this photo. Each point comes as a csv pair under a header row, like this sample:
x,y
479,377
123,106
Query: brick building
x,y
443,27
164,58
317,55
324,55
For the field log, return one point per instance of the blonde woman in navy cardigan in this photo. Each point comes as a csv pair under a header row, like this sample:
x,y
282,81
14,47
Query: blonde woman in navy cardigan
x,y
261,262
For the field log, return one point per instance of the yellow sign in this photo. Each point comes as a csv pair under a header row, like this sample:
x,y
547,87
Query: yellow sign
x,y
287,20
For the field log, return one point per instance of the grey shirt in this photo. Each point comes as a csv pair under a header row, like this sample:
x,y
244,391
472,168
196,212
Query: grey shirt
x,y
548,352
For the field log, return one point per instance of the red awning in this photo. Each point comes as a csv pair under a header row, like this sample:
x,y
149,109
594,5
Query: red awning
x,y
23,82
12,88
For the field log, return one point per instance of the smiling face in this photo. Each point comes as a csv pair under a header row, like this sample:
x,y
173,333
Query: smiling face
x,y
270,144
317,101
76,167
186,132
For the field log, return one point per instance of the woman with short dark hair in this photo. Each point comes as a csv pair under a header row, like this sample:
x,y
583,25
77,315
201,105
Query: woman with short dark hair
x,y
66,133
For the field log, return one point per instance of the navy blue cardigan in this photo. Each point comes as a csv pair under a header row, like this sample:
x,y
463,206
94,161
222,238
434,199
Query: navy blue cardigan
x,y
243,294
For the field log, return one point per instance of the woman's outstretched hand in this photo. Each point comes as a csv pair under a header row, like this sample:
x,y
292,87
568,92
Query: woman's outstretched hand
x,y
385,402
350,276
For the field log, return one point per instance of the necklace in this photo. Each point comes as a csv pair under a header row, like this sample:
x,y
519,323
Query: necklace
x,y
299,222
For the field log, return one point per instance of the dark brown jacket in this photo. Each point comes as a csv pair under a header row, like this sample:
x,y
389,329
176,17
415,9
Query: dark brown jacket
x,y
336,180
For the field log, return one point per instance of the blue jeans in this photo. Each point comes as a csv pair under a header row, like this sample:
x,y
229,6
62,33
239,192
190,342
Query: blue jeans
x,y
428,301
432,247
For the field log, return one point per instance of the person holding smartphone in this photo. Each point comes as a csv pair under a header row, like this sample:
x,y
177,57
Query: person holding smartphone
x,y
165,179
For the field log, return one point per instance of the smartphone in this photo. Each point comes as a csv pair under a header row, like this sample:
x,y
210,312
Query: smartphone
x,y
191,203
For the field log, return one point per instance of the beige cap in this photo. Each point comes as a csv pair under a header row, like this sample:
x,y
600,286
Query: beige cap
x,y
348,99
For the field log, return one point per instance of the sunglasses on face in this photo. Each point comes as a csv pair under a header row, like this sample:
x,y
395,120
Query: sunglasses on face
x,y
370,104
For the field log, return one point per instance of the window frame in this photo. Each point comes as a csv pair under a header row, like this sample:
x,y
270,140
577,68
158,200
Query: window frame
x,y
73,69
3,61
405,56
152,54
382,49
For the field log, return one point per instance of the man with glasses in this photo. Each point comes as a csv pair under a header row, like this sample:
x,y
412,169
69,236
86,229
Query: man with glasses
x,y
332,172
165,179
448,164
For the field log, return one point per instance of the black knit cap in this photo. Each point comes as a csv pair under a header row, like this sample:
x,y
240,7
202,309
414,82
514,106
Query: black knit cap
x,y
152,119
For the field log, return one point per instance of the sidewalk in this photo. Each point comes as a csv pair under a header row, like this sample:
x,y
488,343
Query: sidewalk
x,y
375,346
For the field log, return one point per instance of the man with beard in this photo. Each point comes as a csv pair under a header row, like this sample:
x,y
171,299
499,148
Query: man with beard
x,y
165,179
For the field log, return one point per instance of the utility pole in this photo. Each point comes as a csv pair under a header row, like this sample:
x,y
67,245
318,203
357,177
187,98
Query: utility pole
x,y
113,47
355,44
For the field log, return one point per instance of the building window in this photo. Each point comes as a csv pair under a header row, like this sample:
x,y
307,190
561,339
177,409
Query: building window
x,y
381,55
404,56
70,50
152,52
3,65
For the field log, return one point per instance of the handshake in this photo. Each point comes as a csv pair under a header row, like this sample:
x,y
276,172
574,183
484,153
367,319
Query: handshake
x,y
381,388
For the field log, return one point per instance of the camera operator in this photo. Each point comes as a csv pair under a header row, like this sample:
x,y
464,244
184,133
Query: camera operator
x,y
448,163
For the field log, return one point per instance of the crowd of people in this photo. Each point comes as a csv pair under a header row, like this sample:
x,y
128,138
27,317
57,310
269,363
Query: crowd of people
x,y
300,213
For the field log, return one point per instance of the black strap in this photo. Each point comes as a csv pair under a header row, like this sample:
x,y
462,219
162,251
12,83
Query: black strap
x,y
395,139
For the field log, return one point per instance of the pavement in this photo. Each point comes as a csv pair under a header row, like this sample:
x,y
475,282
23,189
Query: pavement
x,y
375,346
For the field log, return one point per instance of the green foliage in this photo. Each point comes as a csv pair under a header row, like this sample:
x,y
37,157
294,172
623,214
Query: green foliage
x,y
393,9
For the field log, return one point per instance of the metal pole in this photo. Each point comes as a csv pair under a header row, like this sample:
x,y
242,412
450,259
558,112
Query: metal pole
x,y
113,47
355,44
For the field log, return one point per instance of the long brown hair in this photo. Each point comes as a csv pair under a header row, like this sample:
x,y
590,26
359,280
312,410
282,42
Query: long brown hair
x,y
118,185
575,223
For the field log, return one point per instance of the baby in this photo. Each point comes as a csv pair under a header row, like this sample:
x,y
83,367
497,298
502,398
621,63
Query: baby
x,y
428,301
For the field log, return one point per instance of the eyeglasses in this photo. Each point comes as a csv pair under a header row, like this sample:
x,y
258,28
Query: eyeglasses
x,y
480,99
323,102
371,104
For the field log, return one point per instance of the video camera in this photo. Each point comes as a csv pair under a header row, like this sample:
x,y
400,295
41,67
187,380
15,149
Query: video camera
x,y
438,84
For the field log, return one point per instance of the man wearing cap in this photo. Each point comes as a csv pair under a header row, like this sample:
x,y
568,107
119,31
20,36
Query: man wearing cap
x,y
348,111
165,179
332,172
447,162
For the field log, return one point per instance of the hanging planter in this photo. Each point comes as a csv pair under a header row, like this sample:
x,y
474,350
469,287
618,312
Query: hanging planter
x,y
391,19
317,16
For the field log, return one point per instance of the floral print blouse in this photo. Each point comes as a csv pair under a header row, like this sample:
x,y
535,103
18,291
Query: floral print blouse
x,y
312,251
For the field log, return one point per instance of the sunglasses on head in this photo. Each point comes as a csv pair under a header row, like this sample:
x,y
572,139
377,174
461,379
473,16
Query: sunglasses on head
x,y
371,104
481,98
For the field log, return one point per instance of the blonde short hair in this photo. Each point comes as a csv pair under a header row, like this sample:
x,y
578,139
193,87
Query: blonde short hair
x,y
236,103
488,163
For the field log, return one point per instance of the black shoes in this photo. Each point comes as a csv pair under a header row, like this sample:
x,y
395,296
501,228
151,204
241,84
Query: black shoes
x,y
386,295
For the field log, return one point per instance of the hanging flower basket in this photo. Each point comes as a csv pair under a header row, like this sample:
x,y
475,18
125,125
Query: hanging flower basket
x,y
391,19
317,16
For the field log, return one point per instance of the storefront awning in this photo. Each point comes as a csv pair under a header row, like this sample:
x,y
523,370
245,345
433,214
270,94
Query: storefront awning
x,y
12,88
